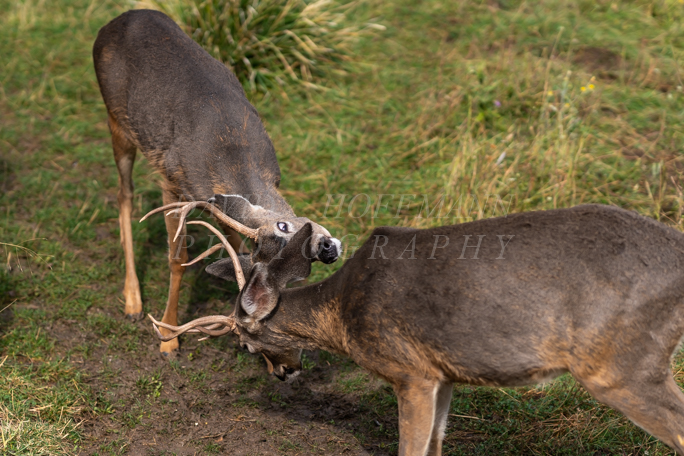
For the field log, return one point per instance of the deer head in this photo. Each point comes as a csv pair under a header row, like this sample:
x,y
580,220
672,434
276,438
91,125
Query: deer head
x,y
258,298
276,229
273,233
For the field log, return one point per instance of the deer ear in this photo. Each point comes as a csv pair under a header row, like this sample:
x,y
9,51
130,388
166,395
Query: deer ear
x,y
259,297
225,270
241,210
294,260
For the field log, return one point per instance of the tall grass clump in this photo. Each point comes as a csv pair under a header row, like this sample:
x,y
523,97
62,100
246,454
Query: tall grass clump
x,y
270,43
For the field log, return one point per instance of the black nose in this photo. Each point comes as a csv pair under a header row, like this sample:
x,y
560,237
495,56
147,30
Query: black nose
x,y
327,252
289,370
279,377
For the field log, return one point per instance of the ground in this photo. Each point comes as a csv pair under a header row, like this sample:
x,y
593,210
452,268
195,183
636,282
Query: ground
x,y
457,111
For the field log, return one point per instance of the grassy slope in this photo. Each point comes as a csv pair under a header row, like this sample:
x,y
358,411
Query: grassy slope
x,y
429,108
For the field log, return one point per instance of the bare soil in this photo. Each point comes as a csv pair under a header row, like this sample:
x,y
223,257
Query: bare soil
x,y
216,398
602,62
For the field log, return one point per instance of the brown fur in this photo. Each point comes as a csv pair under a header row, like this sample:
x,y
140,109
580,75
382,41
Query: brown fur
x,y
188,115
592,290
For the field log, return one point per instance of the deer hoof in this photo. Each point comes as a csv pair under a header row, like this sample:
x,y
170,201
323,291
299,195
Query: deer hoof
x,y
169,356
135,316
169,349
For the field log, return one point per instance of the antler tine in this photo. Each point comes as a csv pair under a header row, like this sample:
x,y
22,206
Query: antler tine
x,y
213,249
162,209
205,325
210,327
216,212
184,211
239,275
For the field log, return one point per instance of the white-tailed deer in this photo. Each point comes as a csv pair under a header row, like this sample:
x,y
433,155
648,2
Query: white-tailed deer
x,y
593,290
188,115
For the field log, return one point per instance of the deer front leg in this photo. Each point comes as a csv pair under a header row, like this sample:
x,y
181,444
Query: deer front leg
x,y
124,155
178,255
234,239
417,399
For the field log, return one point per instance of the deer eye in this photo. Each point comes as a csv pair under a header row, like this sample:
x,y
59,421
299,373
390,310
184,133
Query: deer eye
x,y
282,226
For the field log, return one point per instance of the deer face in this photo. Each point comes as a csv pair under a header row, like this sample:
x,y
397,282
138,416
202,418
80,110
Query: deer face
x,y
258,303
276,230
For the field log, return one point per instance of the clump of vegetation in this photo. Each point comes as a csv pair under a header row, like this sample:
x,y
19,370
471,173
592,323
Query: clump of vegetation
x,y
270,42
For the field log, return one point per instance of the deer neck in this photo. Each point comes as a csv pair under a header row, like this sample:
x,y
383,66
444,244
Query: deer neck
x,y
310,316
260,193
270,199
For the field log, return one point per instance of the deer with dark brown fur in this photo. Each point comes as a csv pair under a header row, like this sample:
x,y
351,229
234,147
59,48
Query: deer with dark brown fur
x,y
188,115
593,290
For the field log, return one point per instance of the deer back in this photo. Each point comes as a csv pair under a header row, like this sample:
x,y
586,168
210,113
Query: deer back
x,y
516,311
188,114
186,111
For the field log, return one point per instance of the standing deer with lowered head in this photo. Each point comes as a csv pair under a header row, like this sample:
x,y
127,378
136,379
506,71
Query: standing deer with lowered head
x,y
188,115
593,290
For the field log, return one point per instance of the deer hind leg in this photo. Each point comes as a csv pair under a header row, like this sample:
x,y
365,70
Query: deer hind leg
x,y
442,404
417,404
124,155
178,254
655,406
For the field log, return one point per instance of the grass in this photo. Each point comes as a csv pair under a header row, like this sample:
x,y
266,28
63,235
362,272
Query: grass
x,y
40,404
458,111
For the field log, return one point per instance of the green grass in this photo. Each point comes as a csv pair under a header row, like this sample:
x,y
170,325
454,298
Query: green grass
x,y
483,107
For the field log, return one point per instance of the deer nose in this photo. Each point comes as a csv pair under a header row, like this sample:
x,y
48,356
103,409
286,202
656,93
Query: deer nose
x,y
329,249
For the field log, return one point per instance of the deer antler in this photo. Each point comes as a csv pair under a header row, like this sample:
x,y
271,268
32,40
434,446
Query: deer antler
x,y
215,325
239,275
206,325
185,208
211,250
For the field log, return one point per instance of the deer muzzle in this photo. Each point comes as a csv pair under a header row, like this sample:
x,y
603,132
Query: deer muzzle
x,y
329,249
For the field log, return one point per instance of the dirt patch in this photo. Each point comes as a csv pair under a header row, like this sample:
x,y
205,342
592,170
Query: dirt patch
x,y
603,63
216,398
